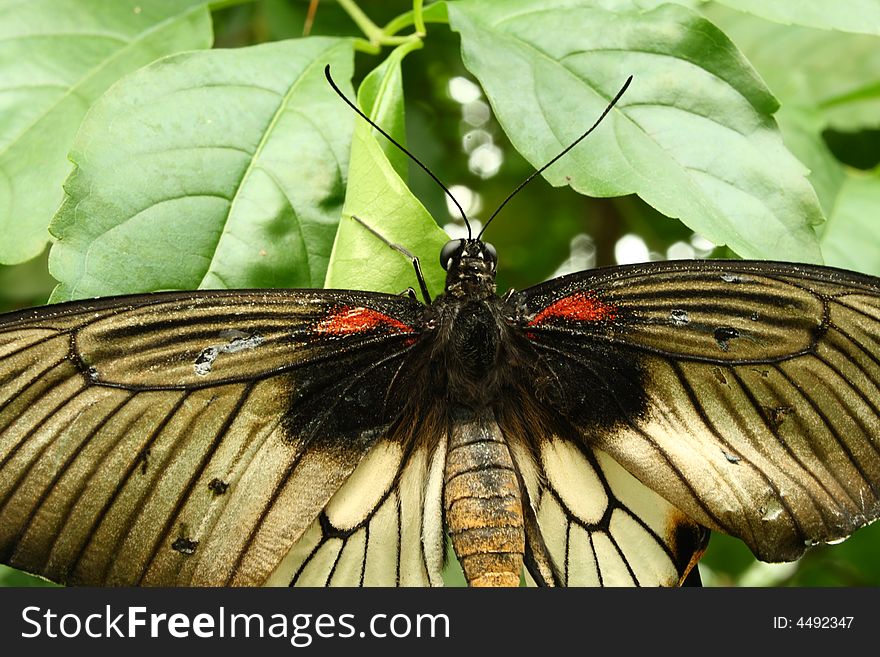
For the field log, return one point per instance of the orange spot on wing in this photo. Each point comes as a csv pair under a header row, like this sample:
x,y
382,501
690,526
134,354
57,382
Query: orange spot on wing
x,y
578,307
347,320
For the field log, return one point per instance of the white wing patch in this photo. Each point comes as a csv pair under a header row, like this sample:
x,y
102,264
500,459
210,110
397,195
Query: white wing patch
x,y
602,526
367,486
433,535
582,559
569,474
370,533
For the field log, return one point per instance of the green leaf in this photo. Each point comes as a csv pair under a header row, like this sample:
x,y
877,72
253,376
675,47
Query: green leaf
x,y
218,169
802,132
856,16
378,195
835,72
56,58
851,238
12,577
693,136
381,98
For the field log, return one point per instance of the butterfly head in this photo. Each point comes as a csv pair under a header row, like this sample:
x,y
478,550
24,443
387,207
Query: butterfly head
x,y
470,266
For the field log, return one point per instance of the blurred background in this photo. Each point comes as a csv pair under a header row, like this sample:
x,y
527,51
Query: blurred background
x,y
543,233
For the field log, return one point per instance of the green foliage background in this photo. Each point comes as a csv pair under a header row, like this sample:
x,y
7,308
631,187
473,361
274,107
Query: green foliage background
x,y
168,144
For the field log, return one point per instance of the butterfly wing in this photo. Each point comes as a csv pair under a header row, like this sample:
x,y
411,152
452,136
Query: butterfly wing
x,y
602,527
745,393
188,438
383,527
594,524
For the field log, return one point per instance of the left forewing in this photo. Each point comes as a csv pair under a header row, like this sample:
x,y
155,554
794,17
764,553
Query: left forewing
x,y
187,438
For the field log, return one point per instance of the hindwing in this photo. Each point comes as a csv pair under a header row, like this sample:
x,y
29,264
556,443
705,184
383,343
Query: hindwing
x,y
594,524
604,528
383,527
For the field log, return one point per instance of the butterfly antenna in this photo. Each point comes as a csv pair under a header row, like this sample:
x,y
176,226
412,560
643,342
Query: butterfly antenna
x,y
396,143
564,151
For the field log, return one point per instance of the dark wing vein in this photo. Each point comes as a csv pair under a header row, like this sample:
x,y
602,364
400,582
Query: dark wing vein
x,y
99,518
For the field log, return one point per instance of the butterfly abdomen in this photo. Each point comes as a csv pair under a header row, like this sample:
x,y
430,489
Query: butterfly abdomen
x,y
483,502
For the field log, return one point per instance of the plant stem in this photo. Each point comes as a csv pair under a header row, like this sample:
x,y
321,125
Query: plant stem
x,y
310,17
418,19
409,44
377,37
362,45
373,32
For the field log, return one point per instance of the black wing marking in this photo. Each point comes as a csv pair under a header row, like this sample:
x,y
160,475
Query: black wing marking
x,y
746,393
160,439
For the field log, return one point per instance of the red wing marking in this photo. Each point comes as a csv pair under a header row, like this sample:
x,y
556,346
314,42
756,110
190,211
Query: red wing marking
x,y
347,320
578,307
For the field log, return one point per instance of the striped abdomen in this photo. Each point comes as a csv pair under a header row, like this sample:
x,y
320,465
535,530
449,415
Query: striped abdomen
x,y
483,502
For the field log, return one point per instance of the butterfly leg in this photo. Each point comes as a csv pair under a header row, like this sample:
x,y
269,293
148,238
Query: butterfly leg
x,y
413,259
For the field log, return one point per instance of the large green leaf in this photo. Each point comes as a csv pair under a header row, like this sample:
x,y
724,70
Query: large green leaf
x,y
835,72
822,78
218,169
851,238
56,58
693,136
378,195
852,16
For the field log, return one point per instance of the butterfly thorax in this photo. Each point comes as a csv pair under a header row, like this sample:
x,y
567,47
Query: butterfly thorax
x,y
468,316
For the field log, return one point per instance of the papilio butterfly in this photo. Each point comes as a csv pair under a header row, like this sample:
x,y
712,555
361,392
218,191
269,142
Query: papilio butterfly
x,y
589,430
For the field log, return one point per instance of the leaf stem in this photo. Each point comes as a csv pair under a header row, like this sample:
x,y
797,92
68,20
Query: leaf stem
x,y
373,32
418,18
377,37
866,92
362,45
409,44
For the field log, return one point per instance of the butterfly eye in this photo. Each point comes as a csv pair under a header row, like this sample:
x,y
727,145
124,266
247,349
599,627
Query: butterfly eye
x,y
449,251
490,252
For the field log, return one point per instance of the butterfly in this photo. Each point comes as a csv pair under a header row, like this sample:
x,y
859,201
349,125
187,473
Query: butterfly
x,y
589,430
